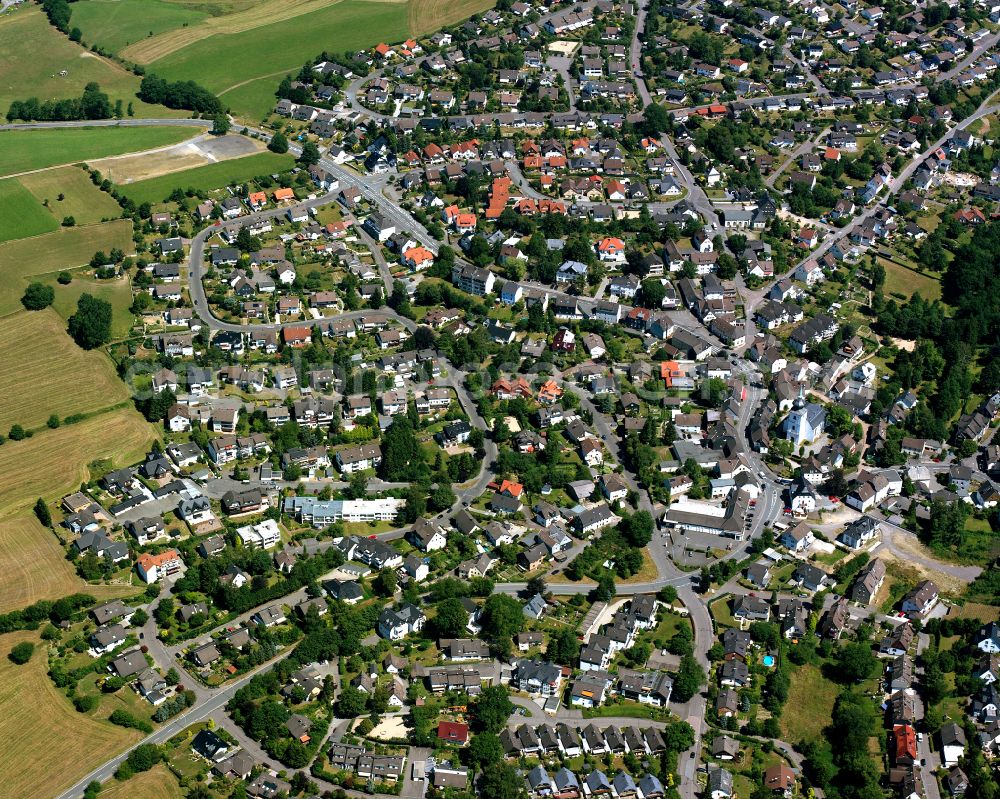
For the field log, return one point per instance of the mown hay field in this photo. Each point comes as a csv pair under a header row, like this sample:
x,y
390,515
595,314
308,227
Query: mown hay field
x,y
66,248
47,745
46,373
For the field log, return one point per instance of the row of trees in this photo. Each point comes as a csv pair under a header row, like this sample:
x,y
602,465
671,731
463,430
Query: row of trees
x,y
92,104
184,94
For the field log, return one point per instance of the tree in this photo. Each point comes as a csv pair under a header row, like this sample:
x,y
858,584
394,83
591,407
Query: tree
x,y
38,296
484,749
42,512
401,452
491,709
638,528
139,618
500,780
144,757
667,594
564,647
21,653
351,703
606,589
310,154
451,618
220,125
502,617
690,678
90,326
442,498
278,143
385,582
17,433
678,736
655,119
855,662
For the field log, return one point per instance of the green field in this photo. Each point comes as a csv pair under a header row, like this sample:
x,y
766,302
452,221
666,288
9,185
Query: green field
x,y
65,248
117,292
25,150
114,24
810,704
21,215
36,60
226,60
81,200
212,176
901,280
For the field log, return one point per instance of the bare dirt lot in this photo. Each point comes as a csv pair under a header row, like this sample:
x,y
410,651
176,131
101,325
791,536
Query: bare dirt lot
x,y
196,152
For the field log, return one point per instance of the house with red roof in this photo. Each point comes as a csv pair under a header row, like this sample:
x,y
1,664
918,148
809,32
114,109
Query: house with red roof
x,y
465,223
510,489
453,732
904,747
611,250
297,336
417,258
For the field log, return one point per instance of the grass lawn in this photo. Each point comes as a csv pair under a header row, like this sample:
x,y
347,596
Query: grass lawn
x,y
630,710
157,783
49,745
82,200
66,248
979,544
810,703
220,61
115,291
722,612
975,610
59,458
907,281
115,24
212,176
36,60
46,373
25,150
21,215
646,574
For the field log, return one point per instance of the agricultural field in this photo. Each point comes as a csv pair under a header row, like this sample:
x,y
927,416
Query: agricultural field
x,y
26,150
117,291
115,24
43,371
23,259
36,60
36,566
21,214
220,62
427,16
213,176
49,745
810,705
208,41
82,200
60,460
227,21
157,783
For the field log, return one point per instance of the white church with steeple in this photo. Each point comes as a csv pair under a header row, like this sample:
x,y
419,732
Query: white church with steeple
x,y
805,422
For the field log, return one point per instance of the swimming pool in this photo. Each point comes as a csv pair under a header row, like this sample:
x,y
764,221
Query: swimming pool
x,y
769,660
